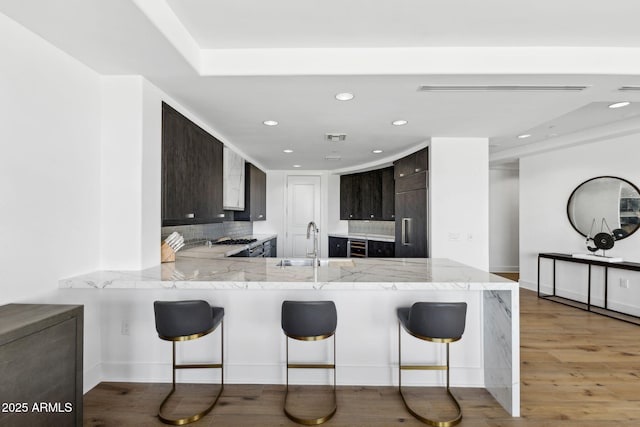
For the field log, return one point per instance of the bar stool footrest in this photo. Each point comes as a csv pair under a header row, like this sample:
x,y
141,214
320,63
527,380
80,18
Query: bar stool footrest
x,y
447,423
190,419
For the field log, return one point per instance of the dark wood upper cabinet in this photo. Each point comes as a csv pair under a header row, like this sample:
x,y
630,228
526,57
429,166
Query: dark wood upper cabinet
x,y
367,195
413,163
370,195
388,194
347,196
191,172
255,195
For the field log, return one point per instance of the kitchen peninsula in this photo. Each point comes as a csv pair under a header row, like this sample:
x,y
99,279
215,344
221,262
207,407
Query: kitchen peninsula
x,y
366,292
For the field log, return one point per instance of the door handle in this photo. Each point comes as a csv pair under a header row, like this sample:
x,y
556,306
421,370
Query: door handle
x,y
405,231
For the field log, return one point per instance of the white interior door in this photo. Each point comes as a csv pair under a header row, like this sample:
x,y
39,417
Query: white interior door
x,y
303,206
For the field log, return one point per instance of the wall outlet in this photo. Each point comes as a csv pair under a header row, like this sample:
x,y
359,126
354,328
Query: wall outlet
x,y
124,328
624,283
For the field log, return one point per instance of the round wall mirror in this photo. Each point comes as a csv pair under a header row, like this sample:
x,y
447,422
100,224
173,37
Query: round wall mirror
x,y
605,204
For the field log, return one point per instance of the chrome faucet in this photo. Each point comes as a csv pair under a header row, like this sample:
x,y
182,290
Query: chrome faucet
x,y
312,226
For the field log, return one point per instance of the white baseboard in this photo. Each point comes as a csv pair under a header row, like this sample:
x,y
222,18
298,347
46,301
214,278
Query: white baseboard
x,y
633,310
504,268
275,374
528,285
91,378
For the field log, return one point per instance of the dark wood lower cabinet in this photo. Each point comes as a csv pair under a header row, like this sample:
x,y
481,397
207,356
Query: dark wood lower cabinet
x,y
41,365
378,249
337,247
271,248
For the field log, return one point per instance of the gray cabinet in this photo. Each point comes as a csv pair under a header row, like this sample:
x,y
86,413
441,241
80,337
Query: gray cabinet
x,y
192,191
41,365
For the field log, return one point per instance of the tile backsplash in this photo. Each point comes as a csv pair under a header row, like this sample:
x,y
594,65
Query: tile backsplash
x,y
198,234
384,228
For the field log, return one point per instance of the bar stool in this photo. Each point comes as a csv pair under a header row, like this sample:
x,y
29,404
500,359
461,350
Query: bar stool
x,y
184,321
310,321
439,322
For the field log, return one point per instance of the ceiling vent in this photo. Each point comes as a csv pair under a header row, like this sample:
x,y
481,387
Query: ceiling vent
x,y
333,158
501,88
629,88
335,137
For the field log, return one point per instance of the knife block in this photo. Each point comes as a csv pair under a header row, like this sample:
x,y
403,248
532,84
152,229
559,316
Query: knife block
x,y
166,253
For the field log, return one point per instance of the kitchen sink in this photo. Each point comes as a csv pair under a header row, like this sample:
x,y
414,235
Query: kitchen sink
x,y
308,262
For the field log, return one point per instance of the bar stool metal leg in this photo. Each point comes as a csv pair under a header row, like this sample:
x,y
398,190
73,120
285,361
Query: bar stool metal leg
x,y
184,321
438,322
186,420
309,321
326,417
446,423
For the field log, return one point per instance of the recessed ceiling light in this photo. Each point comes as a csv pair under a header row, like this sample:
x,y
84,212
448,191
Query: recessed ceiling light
x,y
297,166
524,135
287,151
377,151
344,96
399,122
270,123
619,104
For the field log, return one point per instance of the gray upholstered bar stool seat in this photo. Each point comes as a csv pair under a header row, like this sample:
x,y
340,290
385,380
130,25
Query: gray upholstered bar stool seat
x,y
183,321
440,322
310,321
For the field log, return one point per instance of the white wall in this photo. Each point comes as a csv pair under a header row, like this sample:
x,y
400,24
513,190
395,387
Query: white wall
x,y
50,113
121,158
546,182
504,251
459,200
131,172
50,165
79,178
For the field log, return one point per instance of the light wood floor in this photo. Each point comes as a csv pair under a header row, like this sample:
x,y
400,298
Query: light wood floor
x,y
578,369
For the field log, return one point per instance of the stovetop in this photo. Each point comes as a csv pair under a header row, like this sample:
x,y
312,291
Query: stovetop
x,y
236,241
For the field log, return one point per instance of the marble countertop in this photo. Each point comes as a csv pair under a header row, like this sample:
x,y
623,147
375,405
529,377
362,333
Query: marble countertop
x,y
362,236
221,251
193,269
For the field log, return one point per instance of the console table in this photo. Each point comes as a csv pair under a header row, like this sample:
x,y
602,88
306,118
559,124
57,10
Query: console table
x,y
606,311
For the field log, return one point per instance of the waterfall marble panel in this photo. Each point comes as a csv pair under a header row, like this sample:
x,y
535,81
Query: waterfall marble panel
x,y
502,347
